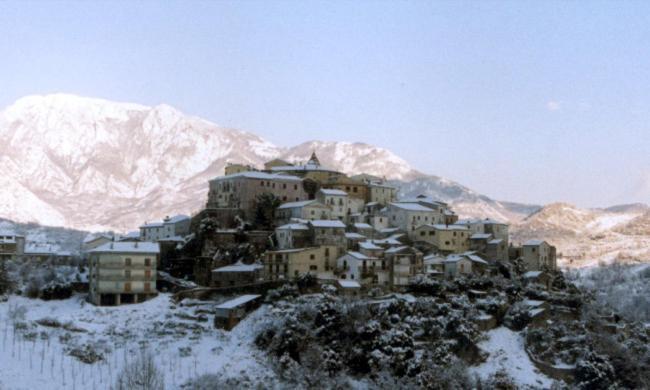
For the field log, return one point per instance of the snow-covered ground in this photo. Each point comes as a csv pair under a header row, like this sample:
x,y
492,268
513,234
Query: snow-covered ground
x,y
506,349
184,348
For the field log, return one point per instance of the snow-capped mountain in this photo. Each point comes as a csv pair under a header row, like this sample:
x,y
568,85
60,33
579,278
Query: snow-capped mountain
x,y
95,164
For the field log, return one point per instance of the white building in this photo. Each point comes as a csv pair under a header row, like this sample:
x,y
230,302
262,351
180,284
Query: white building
x,y
409,216
123,272
337,200
12,245
177,226
292,235
364,269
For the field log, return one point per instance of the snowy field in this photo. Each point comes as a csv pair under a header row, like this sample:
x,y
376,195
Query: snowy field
x,y
506,349
38,356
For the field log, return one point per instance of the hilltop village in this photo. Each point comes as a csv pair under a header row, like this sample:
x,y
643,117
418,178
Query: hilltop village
x,y
351,281
287,222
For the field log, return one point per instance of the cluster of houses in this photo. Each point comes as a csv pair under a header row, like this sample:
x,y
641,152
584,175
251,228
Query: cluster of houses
x,y
355,233
349,231
14,246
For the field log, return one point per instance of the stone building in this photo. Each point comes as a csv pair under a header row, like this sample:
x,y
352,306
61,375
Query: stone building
x,y
539,255
408,216
291,263
241,190
444,238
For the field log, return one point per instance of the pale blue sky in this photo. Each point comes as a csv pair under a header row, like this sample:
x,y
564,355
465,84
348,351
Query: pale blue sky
x,y
524,101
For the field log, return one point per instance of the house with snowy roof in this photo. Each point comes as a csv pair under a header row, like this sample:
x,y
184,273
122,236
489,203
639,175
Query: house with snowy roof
x,y
434,265
328,232
405,262
238,274
409,216
12,245
293,235
178,225
539,255
305,209
337,200
444,238
287,264
464,264
367,270
122,272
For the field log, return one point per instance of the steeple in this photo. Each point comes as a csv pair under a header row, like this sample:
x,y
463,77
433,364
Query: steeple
x,y
313,160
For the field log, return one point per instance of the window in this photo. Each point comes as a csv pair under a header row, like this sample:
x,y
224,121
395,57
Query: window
x,y
295,187
313,268
295,273
284,186
147,274
127,286
423,233
262,183
286,268
147,286
127,274
327,251
147,262
312,257
127,262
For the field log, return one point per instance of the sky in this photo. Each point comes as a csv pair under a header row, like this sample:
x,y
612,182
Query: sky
x,y
525,101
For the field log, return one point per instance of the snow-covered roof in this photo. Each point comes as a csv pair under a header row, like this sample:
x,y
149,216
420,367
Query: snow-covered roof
x,y
39,249
355,236
369,245
533,242
260,176
362,225
480,236
388,230
128,247
239,267
358,255
396,249
332,192
495,241
291,205
293,226
469,256
92,237
325,223
433,259
441,226
532,274
411,207
241,300
349,283
490,221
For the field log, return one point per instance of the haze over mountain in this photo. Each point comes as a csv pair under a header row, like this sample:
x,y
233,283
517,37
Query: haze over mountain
x,y
95,164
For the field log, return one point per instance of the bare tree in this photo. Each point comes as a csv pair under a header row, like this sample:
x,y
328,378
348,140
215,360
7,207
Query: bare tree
x,y
141,374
